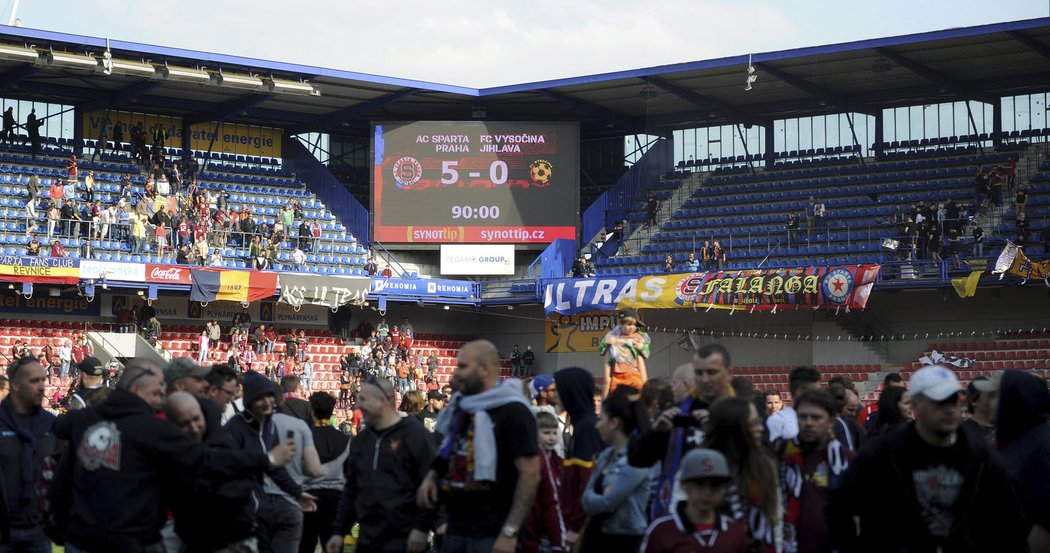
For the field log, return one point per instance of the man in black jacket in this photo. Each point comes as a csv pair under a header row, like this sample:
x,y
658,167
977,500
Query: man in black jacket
x,y
927,485
25,439
389,459
123,453
198,502
668,439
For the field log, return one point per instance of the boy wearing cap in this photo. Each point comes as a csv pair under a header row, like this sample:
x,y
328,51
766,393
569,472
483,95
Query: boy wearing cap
x,y
625,348
926,485
696,525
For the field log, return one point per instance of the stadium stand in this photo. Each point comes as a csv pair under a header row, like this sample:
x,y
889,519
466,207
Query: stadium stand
x,y
263,188
747,211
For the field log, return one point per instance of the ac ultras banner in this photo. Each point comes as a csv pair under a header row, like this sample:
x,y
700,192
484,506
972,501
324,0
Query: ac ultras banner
x,y
330,291
243,286
764,289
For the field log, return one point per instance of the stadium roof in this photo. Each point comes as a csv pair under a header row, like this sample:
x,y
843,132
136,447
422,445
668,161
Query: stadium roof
x,y
974,63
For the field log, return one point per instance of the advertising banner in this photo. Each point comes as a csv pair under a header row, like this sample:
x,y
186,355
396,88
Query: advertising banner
x,y
832,287
424,287
13,302
331,291
581,332
172,308
214,136
477,259
125,272
167,274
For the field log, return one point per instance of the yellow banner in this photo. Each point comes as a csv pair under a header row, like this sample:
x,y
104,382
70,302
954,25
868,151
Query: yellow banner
x,y
581,332
229,138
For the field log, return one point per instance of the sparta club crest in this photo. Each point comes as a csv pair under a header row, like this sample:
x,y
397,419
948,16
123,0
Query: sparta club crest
x,y
407,171
837,286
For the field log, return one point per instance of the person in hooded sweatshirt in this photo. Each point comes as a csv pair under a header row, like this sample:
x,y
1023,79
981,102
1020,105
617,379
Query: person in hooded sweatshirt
x,y
576,392
1024,442
123,454
254,430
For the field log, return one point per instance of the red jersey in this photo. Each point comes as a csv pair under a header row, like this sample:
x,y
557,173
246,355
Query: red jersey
x,y
545,520
675,534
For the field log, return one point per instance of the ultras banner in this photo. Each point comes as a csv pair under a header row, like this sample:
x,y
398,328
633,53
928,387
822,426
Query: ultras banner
x,y
330,291
762,289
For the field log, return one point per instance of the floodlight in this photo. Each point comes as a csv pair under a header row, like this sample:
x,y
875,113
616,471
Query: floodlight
x,y
183,74
290,87
133,68
17,53
76,61
236,81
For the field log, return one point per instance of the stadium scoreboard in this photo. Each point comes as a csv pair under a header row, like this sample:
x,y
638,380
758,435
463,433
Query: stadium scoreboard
x,y
439,182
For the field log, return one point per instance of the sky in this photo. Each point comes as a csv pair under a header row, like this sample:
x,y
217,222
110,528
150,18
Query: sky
x,y
478,43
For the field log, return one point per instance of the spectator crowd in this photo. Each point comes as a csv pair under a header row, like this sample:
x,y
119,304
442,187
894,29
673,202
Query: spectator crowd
x,y
208,456
171,215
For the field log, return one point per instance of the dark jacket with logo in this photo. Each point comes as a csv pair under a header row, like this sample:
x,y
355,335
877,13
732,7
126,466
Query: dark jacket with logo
x,y
122,455
387,468
19,507
879,489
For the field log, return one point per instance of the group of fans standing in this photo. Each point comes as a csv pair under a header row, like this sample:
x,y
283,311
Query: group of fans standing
x,y
191,458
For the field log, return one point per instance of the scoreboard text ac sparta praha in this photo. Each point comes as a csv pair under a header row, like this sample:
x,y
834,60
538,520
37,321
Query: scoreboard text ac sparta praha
x,y
475,182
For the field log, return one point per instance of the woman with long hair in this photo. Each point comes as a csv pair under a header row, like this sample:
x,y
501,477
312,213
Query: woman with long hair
x,y
412,403
753,496
894,410
617,494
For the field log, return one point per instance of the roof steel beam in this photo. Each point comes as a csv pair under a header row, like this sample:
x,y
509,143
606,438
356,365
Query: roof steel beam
x,y
937,77
1031,43
624,122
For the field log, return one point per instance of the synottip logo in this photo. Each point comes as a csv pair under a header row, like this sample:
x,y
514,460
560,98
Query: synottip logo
x,y
443,234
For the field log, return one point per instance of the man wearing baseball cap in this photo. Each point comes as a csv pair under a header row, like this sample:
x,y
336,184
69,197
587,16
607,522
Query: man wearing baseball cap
x,y
545,398
183,375
91,371
695,524
926,485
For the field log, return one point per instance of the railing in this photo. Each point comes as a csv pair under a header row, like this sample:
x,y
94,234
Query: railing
x,y
79,229
391,260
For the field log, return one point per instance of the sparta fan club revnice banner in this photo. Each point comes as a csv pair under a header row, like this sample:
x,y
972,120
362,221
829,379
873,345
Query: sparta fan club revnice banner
x,y
832,287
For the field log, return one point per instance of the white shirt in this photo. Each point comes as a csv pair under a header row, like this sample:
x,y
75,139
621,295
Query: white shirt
x,y
298,256
783,424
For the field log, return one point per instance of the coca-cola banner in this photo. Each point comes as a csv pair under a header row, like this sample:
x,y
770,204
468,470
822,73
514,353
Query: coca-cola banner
x,y
125,272
167,274
331,291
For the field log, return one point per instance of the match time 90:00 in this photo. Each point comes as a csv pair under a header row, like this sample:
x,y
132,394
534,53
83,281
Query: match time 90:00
x,y
471,212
